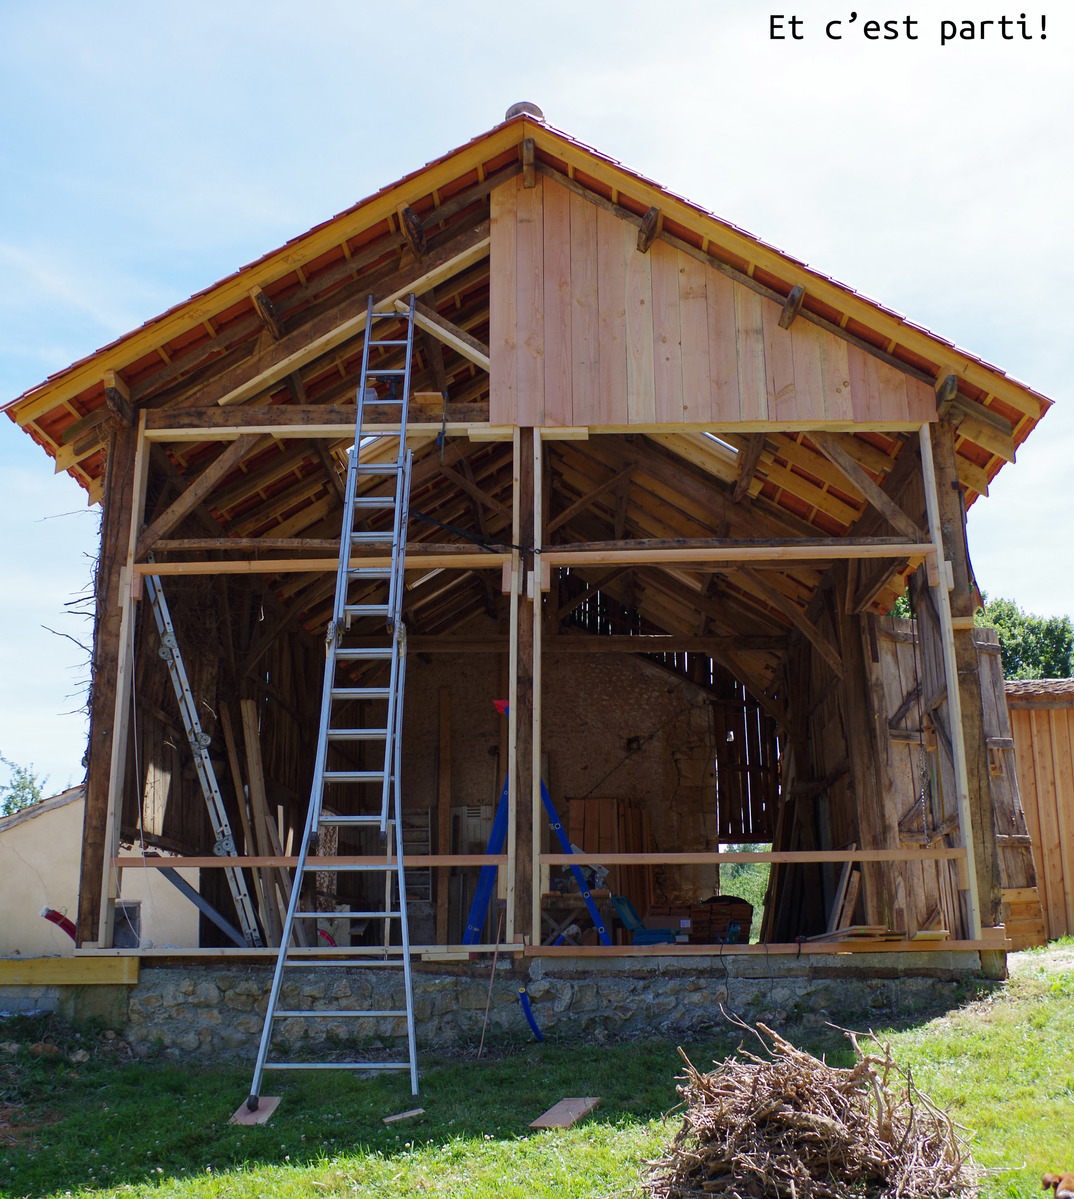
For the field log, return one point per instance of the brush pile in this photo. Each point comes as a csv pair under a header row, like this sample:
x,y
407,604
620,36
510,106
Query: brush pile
x,y
789,1125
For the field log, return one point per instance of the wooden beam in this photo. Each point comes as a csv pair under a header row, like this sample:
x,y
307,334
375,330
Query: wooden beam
x,y
266,313
331,469
443,814
830,445
451,335
747,465
647,231
117,398
346,321
297,420
797,617
523,695
118,503
475,492
792,305
217,470
589,498
759,551
437,558
411,228
954,699
980,425
529,154
590,590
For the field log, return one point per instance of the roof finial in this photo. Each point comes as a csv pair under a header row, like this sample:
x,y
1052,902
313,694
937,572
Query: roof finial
x,y
524,106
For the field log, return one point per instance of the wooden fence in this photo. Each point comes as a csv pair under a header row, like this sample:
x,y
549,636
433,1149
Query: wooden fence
x,y
1042,724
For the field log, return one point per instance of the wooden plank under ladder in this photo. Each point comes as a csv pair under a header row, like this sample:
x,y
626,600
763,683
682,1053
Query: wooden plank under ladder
x,y
357,770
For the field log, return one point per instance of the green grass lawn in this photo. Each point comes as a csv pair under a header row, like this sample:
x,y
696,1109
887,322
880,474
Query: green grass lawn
x,y
1003,1063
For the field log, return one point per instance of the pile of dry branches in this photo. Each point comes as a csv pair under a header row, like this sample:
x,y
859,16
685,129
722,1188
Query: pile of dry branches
x,y
791,1125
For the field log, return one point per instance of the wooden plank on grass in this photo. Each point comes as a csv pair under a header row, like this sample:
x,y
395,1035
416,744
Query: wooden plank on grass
x,y
566,1112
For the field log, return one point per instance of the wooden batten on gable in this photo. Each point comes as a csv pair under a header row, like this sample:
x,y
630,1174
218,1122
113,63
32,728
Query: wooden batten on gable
x,y
588,330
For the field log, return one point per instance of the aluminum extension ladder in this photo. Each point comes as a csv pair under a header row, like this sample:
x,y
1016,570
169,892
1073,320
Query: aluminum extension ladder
x,y
224,845
361,592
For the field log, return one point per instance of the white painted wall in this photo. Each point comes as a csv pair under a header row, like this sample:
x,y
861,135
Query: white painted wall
x,y
40,856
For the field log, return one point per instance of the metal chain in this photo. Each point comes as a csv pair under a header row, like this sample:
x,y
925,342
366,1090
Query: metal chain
x,y
926,788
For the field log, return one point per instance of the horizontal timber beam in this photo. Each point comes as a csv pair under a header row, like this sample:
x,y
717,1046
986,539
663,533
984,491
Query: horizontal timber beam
x,y
315,863
942,853
435,558
614,553
580,643
297,420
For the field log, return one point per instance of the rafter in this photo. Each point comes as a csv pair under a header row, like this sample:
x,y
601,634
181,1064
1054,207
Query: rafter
x,y
831,446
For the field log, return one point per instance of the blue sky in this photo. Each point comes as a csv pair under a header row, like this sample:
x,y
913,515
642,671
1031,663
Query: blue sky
x,y
147,150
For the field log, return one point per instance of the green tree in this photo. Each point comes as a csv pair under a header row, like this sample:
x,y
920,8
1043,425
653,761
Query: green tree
x,y
1033,647
22,789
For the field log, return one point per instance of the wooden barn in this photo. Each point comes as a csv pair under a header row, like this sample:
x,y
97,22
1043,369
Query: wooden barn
x,y
668,484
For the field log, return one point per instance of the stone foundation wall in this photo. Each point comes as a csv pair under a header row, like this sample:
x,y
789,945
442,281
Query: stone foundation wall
x,y
214,1014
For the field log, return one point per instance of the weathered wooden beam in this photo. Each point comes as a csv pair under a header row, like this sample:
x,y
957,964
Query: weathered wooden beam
x,y
295,420
451,335
830,445
588,499
792,305
647,231
985,428
118,502
747,466
221,466
266,313
319,336
797,617
117,398
472,490
411,228
529,155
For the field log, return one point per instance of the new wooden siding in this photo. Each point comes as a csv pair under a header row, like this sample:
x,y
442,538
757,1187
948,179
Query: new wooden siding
x,y
587,331
1044,751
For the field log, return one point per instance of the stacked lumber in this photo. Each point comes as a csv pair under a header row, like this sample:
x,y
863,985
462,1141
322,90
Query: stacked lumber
x,y
791,1125
1023,917
606,825
705,923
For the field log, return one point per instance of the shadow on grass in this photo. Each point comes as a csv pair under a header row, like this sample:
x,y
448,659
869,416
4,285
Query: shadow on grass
x,y
104,1124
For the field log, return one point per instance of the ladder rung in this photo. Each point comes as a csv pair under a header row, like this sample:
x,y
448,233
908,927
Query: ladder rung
x,y
369,572
377,468
353,776
383,374
402,342
348,915
370,654
363,536
357,734
356,820
361,692
279,1014
375,501
343,868
337,1066
366,609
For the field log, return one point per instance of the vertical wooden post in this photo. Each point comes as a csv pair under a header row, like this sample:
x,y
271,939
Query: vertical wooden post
x,y
954,699
859,716
443,815
113,633
512,689
952,517
534,589
522,695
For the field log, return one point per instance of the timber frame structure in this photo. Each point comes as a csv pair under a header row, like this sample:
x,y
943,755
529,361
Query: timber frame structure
x,y
638,433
